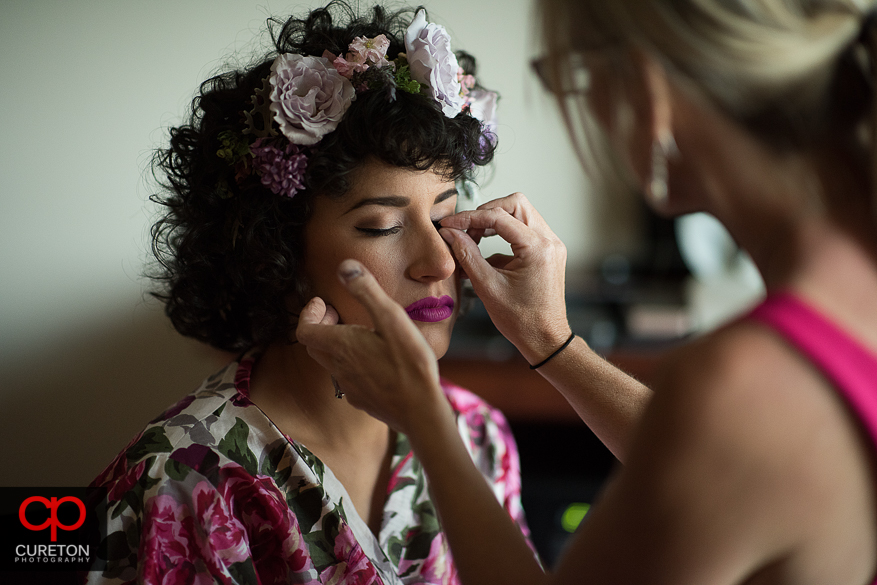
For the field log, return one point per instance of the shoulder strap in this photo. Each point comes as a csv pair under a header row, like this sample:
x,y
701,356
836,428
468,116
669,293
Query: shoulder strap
x,y
843,360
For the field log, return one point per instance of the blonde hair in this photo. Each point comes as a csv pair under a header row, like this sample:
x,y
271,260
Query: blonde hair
x,y
791,71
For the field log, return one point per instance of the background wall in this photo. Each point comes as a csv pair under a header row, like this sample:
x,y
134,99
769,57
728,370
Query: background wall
x,y
86,359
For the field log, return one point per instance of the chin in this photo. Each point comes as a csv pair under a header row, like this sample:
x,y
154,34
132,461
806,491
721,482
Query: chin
x,y
438,341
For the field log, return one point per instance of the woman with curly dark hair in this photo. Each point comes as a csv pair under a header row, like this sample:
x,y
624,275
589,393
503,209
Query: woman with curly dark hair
x,y
347,140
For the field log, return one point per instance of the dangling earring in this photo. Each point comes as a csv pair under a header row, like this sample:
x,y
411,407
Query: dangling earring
x,y
663,148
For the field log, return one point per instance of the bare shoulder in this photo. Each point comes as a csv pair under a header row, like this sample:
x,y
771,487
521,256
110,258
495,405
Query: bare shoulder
x,y
746,468
742,422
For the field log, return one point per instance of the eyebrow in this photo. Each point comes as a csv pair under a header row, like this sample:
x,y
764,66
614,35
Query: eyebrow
x,y
398,201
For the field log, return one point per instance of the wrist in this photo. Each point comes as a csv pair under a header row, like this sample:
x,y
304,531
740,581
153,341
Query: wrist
x,y
544,342
432,431
424,419
554,354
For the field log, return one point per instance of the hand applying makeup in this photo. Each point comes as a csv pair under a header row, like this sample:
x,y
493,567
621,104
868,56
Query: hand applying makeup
x,y
402,385
524,294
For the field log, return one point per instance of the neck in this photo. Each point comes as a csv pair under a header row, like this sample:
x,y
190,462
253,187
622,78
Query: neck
x,y
298,396
807,223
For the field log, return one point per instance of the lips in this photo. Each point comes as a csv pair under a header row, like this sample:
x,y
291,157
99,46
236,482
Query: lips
x,y
431,309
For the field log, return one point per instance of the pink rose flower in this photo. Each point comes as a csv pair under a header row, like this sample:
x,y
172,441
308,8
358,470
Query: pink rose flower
x,y
168,546
226,536
433,63
308,97
370,51
354,567
438,567
275,539
467,82
345,67
125,482
117,469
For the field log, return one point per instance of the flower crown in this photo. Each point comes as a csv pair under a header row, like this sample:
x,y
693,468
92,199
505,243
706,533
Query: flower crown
x,y
306,97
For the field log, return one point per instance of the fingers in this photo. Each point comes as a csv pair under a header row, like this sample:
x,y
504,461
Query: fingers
x,y
310,330
313,312
466,252
497,219
331,317
317,311
518,207
499,260
515,205
386,313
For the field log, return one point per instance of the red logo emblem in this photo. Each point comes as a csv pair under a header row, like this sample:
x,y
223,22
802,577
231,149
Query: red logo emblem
x,y
53,522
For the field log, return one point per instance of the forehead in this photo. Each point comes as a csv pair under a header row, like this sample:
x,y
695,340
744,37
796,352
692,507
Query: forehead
x,y
376,179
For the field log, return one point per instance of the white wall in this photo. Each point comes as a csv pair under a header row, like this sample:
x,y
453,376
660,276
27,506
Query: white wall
x,y
87,90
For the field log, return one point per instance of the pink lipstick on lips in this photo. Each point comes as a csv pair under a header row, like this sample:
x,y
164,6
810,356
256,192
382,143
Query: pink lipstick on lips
x,y
431,309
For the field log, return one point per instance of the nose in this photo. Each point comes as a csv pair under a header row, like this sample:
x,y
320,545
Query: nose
x,y
431,258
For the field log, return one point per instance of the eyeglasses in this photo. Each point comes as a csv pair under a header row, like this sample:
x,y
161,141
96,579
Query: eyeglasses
x,y
576,81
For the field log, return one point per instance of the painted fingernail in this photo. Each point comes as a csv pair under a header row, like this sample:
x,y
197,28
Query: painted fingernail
x,y
349,270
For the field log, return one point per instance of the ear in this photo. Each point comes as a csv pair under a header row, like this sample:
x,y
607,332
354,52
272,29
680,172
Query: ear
x,y
651,143
658,94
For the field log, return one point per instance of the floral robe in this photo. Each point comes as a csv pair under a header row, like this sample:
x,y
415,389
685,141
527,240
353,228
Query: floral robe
x,y
212,492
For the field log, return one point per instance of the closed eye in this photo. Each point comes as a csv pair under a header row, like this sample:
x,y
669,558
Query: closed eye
x,y
377,232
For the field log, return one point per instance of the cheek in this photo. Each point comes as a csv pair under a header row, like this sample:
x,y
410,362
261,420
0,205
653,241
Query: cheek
x,y
322,268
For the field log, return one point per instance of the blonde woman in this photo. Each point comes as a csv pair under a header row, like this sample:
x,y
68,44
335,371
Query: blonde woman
x,y
754,462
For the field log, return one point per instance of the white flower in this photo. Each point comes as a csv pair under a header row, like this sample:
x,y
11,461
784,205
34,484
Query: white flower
x,y
308,97
428,49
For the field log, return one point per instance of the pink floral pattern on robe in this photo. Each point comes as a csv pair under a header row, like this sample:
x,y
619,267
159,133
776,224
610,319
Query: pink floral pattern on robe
x,y
212,492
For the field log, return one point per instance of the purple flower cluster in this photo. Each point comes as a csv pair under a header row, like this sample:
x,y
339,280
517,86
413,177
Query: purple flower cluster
x,y
282,169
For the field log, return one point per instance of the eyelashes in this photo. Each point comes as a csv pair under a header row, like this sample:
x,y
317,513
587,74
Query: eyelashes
x,y
380,232
377,232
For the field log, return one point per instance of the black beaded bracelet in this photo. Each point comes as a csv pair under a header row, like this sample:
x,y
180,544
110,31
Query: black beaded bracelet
x,y
559,349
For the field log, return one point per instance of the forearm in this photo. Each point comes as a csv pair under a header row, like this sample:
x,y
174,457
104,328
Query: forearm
x,y
609,401
488,547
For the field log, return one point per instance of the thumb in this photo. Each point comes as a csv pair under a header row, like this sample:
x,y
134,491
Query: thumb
x,y
469,256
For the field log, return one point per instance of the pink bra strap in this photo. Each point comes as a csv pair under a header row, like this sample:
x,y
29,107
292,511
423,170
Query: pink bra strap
x,y
848,365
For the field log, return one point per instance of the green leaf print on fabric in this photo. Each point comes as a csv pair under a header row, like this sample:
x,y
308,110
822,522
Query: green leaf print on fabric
x,y
420,542
418,546
133,498
121,550
403,446
175,470
429,521
307,504
420,489
394,550
178,466
117,546
321,543
315,464
243,572
271,464
153,440
234,446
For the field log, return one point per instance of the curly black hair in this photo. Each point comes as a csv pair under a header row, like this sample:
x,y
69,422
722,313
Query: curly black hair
x,y
229,251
